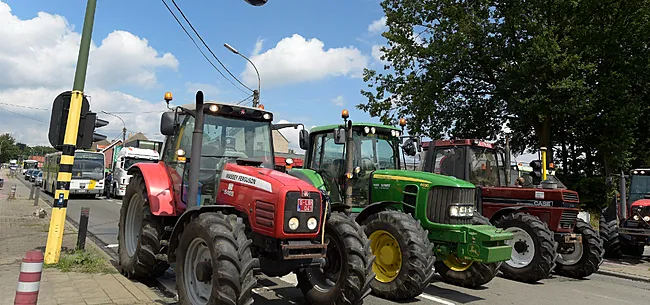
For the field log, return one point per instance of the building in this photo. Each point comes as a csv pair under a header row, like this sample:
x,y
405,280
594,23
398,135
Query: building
x,y
280,142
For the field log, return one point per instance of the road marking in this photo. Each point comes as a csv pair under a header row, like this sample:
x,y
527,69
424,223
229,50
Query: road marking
x,y
435,299
112,246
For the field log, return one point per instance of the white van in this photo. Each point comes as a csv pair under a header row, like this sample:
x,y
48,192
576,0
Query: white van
x,y
125,159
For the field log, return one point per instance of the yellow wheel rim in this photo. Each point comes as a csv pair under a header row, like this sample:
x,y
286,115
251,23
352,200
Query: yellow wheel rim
x,y
456,264
388,261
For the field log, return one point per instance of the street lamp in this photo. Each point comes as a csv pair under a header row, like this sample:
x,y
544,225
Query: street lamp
x,y
256,93
256,2
123,128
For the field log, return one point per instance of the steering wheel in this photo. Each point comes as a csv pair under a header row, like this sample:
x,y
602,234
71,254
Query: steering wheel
x,y
370,161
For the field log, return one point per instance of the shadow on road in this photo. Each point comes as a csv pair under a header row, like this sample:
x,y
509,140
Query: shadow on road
x,y
455,295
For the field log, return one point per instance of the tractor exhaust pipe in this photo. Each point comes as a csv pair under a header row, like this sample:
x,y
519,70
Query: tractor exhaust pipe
x,y
195,155
507,161
349,154
622,190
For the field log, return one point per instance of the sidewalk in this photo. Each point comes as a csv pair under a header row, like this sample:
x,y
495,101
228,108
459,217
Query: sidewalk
x,y
632,268
22,230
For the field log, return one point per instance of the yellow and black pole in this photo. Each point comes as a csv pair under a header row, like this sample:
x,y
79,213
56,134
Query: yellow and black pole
x,y
543,149
57,222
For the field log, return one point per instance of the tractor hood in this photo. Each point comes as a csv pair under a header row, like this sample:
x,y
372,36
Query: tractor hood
x,y
263,178
641,203
420,177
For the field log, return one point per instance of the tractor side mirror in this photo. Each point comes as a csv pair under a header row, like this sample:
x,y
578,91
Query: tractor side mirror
x,y
339,136
304,139
168,123
409,148
608,181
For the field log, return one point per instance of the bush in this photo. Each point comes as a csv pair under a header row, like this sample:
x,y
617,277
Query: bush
x,y
593,193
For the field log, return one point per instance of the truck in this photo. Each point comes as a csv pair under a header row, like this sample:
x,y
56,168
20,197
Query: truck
x,y
124,160
417,222
215,206
549,236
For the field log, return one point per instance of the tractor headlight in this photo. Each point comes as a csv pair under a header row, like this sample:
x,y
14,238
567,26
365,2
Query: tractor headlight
x,y
646,218
312,223
373,130
461,211
366,129
636,217
294,223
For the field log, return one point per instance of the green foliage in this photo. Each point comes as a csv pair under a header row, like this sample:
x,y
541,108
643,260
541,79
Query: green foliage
x,y
9,149
593,193
88,261
563,74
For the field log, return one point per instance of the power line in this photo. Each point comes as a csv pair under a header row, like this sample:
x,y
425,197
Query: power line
x,y
206,45
199,48
22,115
22,106
244,100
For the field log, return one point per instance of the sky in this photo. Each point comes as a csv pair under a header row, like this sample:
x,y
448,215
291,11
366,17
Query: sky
x,y
310,55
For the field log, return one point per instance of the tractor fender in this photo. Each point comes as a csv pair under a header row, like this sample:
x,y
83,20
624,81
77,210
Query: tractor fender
x,y
159,187
189,215
373,209
505,211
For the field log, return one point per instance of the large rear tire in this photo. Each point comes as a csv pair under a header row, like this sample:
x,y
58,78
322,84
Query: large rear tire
x,y
214,264
586,257
608,232
467,274
345,279
139,234
404,257
533,248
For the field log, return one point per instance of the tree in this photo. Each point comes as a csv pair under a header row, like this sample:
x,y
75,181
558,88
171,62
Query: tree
x,y
8,148
571,74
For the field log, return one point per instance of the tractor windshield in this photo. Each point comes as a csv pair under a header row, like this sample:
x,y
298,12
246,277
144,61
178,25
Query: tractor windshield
x,y
377,151
639,187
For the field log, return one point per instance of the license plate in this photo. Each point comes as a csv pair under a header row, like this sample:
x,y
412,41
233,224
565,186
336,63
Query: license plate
x,y
82,191
306,205
92,184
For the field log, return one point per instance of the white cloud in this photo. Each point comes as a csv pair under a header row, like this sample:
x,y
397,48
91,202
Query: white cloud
x,y
292,135
258,46
210,91
295,59
38,57
42,51
378,26
377,53
338,101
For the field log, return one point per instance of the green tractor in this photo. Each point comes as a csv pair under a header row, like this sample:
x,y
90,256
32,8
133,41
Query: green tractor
x,y
416,221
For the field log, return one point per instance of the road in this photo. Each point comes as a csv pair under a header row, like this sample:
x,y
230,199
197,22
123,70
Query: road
x,y
596,290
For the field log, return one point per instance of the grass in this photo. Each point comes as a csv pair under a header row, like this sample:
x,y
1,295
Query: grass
x,y
84,261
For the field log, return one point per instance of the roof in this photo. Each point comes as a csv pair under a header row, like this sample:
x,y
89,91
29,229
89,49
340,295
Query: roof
x,y
361,124
279,133
137,136
192,106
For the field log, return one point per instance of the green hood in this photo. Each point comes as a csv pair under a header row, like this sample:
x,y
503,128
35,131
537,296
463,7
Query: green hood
x,y
421,177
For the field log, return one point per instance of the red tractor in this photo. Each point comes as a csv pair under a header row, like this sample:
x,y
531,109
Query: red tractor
x,y
548,234
215,206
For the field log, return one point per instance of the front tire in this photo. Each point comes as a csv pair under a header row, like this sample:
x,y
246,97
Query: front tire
x,y
611,239
214,262
345,280
467,274
404,255
139,235
533,248
586,257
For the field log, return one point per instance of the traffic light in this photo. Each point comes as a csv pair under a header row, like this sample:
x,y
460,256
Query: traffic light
x,y
59,118
536,174
87,125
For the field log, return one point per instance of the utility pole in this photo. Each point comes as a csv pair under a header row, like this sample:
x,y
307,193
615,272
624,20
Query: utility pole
x,y
57,222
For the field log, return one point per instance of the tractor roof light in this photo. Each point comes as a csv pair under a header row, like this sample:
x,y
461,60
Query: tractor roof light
x,y
402,122
366,129
261,106
373,130
267,116
168,96
214,107
345,114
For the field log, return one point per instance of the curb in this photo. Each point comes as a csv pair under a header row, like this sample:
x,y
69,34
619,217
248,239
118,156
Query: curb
x,y
623,276
74,225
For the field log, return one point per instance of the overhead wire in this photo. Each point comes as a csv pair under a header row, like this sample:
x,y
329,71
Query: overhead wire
x,y
22,115
247,98
208,47
199,48
22,106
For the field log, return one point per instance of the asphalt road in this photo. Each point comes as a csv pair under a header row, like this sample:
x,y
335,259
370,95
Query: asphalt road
x,y
595,290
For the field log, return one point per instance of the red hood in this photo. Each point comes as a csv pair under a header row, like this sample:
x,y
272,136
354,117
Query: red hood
x,y
641,203
264,178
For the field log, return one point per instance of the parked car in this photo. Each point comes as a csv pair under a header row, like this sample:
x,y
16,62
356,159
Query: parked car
x,y
33,175
27,173
39,178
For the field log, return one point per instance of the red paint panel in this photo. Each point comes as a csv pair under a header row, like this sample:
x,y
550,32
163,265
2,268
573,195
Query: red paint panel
x,y
159,190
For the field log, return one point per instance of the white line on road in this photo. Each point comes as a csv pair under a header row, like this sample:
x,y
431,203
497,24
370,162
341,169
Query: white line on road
x,y
112,246
435,299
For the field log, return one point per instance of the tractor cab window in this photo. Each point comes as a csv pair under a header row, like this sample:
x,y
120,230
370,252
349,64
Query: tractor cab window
x,y
328,159
377,152
483,170
639,187
450,161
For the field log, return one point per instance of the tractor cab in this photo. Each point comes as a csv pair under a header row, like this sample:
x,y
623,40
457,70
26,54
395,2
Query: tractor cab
x,y
376,147
231,134
640,197
476,161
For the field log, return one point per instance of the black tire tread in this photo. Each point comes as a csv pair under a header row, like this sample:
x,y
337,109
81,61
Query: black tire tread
x,y
233,278
358,272
478,274
417,268
547,249
592,247
144,263
608,232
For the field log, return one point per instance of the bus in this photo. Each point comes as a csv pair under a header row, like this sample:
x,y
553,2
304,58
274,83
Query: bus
x,y
29,164
87,173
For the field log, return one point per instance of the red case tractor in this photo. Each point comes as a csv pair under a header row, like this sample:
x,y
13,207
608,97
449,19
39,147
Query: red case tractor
x,y
549,236
216,207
